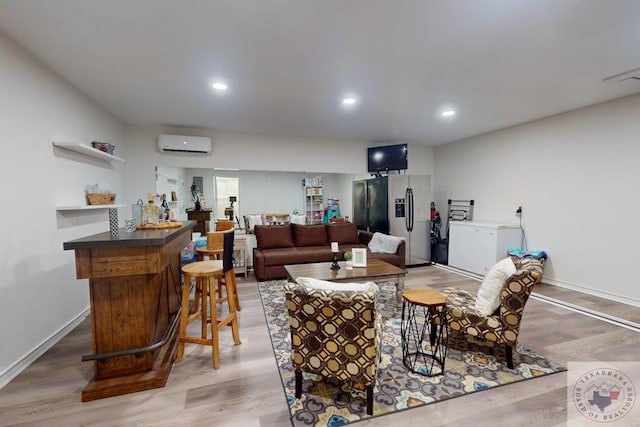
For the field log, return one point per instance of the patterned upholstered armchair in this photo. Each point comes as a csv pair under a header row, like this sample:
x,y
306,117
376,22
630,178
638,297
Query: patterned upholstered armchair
x,y
334,333
503,326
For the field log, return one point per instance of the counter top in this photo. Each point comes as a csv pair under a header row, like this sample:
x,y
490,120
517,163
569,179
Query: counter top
x,y
125,239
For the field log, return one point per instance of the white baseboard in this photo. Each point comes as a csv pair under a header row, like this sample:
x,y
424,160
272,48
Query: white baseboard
x,y
622,299
595,292
589,312
460,271
23,363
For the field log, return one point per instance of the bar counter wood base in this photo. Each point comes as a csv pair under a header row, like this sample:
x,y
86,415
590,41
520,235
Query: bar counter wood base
x,y
155,378
135,287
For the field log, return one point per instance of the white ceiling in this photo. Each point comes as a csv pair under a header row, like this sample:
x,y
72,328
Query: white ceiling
x,y
288,63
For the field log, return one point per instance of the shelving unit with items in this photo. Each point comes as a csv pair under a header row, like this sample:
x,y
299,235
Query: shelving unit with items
x,y
313,200
87,151
332,209
106,200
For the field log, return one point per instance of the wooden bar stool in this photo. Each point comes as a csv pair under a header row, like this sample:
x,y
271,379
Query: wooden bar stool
x,y
205,272
220,245
229,278
213,250
224,224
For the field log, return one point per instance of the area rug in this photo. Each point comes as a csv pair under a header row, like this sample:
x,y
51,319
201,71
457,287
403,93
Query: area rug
x,y
470,367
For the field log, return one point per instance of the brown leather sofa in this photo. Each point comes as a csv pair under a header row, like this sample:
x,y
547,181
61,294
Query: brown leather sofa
x,y
279,245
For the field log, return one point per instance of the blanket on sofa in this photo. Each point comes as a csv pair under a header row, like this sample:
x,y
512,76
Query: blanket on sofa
x,y
383,243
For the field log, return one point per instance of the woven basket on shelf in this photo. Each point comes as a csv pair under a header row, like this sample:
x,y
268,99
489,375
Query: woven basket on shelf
x,y
101,198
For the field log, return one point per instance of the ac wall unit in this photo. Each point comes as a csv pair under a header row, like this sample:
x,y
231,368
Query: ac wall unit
x,y
184,144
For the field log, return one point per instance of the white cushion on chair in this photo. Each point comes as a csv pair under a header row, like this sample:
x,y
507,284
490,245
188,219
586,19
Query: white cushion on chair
x,y
488,298
335,286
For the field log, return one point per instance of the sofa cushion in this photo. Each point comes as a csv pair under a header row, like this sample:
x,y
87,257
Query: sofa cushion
x,y
296,255
343,232
309,235
273,236
488,298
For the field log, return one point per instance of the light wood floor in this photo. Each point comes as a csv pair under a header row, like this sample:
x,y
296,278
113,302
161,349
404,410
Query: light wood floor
x,y
246,390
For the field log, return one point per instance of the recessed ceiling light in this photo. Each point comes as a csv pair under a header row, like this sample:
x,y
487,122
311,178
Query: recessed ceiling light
x,y
220,86
445,111
348,101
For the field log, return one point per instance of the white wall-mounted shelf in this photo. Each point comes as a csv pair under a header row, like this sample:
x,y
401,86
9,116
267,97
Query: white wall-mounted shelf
x,y
87,151
88,207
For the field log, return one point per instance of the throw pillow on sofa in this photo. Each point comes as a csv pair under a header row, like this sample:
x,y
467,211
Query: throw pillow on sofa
x,y
488,297
309,235
343,232
273,236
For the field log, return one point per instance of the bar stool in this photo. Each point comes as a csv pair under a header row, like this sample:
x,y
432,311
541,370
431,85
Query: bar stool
x,y
205,273
213,250
217,249
224,224
229,278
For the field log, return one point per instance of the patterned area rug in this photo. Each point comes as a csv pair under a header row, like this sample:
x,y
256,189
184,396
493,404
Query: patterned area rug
x,y
470,367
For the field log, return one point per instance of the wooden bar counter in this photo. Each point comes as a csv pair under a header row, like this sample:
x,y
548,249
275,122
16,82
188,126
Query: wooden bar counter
x,y
135,286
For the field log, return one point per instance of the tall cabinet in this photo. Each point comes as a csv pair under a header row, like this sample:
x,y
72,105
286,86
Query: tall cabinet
x,y
313,200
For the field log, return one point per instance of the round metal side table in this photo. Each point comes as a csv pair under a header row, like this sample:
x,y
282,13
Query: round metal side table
x,y
423,330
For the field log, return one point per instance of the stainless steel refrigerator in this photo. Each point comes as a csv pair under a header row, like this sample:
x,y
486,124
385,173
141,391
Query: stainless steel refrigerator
x,y
410,215
370,204
398,205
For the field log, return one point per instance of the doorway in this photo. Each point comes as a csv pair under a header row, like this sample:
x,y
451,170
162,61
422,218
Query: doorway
x,y
227,197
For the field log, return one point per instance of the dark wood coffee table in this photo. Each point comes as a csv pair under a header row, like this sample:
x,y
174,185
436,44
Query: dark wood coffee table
x,y
375,271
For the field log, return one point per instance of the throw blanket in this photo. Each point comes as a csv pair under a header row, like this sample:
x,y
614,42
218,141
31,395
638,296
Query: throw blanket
x,y
383,243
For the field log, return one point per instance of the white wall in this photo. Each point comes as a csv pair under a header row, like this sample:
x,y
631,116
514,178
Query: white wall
x,y
254,155
575,176
170,180
39,293
40,297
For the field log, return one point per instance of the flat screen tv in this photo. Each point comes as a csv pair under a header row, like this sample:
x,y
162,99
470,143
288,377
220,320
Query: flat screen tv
x,y
387,158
